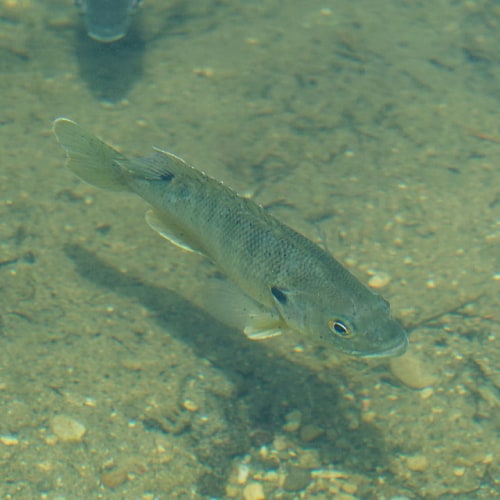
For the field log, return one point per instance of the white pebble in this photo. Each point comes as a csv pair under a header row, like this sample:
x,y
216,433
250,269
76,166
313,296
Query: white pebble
x,y
243,473
293,421
379,280
67,429
413,371
417,463
9,440
253,491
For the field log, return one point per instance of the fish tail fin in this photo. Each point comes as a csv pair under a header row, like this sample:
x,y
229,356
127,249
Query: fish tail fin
x,y
89,158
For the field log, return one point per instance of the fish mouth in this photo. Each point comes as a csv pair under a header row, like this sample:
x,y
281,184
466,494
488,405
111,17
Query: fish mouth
x,y
106,37
397,350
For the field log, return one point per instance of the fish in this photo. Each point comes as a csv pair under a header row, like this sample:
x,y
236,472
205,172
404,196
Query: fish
x,y
107,20
290,283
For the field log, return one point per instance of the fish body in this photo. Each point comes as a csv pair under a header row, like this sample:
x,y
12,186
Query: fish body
x,y
107,20
293,283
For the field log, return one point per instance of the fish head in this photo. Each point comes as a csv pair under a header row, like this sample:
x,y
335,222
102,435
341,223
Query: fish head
x,y
353,326
366,328
372,331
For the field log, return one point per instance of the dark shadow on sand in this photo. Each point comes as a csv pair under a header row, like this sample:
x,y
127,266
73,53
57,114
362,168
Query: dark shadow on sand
x,y
111,70
268,385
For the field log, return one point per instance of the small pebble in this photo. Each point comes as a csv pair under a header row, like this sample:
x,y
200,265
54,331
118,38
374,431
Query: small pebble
x,y
350,488
310,432
134,365
253,491
293,421
9,440
243,473
280,443
67,429
417,463
232,491
426,393
114,478
412,371
190,405
380,279
297,479
51,439
206,72
368,416
310,459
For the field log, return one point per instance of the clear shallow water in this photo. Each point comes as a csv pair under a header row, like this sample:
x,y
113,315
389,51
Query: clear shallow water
x,y
372,128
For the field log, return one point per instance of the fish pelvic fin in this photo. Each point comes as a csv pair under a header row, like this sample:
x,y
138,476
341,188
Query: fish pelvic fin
x,y
262,328
229,304
89,158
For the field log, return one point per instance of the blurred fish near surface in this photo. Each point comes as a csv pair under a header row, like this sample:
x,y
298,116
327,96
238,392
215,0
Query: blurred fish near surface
x,y
107,20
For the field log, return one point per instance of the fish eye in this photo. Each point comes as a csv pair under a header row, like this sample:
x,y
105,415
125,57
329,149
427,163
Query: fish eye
x,y
339,327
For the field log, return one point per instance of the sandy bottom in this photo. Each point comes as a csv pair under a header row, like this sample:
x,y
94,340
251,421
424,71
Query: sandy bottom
x,y
370,126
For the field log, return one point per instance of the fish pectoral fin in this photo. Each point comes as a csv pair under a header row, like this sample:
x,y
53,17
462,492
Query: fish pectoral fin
x,y
171,231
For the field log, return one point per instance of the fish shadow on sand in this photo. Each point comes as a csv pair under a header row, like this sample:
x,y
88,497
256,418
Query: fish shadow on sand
x,y
268,386
111,69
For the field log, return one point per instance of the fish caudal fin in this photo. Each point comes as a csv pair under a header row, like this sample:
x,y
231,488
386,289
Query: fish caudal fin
x,y
89,158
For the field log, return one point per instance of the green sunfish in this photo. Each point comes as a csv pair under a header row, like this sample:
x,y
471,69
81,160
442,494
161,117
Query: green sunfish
x,y
292,282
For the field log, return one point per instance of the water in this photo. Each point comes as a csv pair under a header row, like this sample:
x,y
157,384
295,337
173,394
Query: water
x,y
369,126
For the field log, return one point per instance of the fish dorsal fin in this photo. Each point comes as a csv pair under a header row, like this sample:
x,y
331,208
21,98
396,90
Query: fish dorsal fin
x,y
171,231
159,165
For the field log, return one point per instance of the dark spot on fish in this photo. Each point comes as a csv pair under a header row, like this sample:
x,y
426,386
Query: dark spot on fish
x,y
279,295
166,176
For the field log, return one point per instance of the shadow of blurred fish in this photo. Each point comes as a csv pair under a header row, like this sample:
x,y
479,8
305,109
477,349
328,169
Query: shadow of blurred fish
x,y
290,283
107,20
